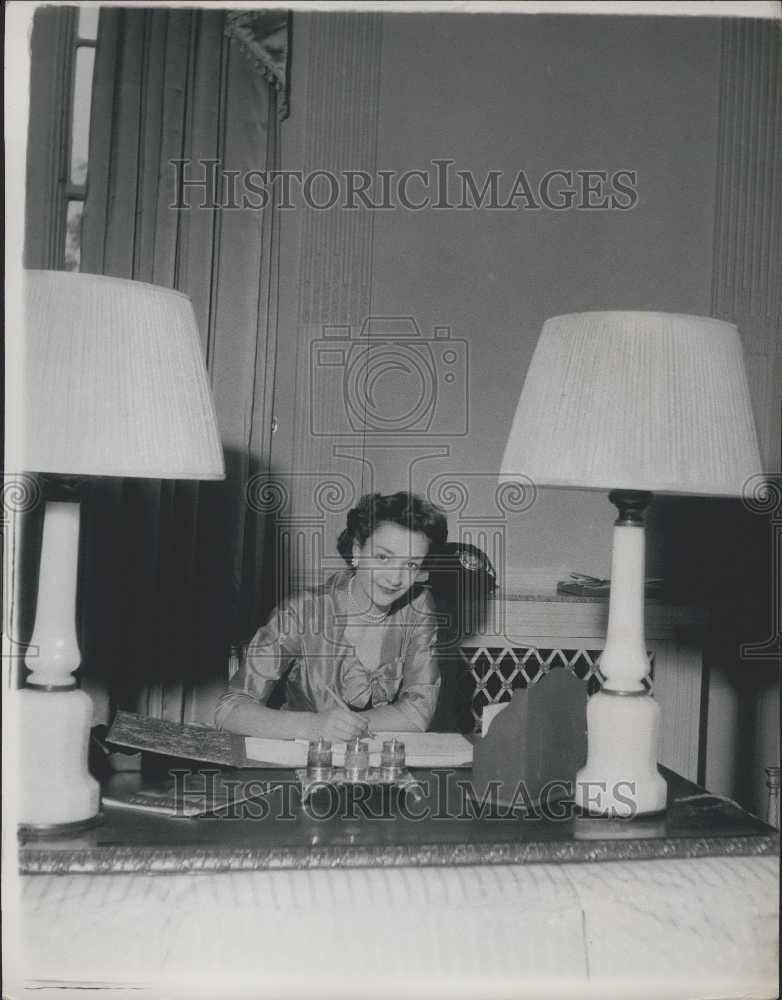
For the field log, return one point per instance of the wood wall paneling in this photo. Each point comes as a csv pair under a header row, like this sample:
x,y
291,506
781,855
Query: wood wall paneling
x,y
743,699
337,118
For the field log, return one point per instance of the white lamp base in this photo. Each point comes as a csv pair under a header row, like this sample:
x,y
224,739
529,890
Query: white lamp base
x,y
620,778
56,790
55,786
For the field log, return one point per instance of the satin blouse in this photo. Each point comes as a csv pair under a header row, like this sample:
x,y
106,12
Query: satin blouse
x,y
303,641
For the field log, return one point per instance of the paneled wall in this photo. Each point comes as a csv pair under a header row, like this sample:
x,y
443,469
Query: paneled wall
x,y
686,104
746,644
747,285
393,93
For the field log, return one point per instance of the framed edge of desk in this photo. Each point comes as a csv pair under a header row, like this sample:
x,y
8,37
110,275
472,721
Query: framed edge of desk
x,y
674,635
696,824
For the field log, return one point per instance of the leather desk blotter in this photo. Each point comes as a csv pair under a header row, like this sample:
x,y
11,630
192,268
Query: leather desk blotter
x,y
540,739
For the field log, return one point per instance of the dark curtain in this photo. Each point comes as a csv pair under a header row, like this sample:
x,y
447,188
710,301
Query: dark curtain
x,y
170,571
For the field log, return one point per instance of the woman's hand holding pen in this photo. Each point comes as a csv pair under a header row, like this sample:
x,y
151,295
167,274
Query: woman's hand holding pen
x,y
339,724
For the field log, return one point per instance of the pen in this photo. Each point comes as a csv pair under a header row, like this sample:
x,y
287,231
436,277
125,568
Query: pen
x,y
342,702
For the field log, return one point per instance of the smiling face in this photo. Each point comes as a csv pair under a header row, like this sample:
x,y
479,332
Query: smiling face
x,y
388,564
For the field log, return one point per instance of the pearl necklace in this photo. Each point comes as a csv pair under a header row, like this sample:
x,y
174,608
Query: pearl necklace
x,y
371,616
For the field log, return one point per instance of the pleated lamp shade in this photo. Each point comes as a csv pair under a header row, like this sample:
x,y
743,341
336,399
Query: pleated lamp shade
x,y
114,382
635,400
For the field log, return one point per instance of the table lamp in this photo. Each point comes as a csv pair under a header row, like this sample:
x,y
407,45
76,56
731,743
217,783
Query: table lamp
x,y
634,403
114,384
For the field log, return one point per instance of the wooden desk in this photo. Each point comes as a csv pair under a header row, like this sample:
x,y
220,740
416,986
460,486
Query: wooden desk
x,y
681,905
445,827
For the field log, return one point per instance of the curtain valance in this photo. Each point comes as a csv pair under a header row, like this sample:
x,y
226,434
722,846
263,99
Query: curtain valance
x,y
264,37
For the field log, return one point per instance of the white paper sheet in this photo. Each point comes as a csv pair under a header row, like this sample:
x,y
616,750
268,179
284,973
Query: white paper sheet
x,y
421,750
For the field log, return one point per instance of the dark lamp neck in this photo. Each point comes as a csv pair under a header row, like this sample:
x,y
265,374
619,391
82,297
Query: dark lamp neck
x,y
631,505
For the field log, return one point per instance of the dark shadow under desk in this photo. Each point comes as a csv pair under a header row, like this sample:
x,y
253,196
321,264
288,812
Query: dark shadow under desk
x,y
438,829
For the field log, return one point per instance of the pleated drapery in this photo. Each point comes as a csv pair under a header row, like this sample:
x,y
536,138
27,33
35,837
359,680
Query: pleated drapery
x,y
170,571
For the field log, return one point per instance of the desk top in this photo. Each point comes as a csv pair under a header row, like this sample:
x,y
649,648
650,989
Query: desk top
x,y
438,828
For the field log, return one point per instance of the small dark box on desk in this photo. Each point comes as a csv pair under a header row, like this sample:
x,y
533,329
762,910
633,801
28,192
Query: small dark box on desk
x,y
539,740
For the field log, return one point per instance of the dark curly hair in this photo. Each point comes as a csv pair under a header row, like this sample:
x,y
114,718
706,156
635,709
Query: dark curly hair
x,y
405,509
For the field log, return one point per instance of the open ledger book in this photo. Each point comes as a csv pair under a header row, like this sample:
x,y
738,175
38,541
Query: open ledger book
x,y
203,743
421,750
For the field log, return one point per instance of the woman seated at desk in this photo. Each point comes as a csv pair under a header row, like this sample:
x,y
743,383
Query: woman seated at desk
x,y
357,653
